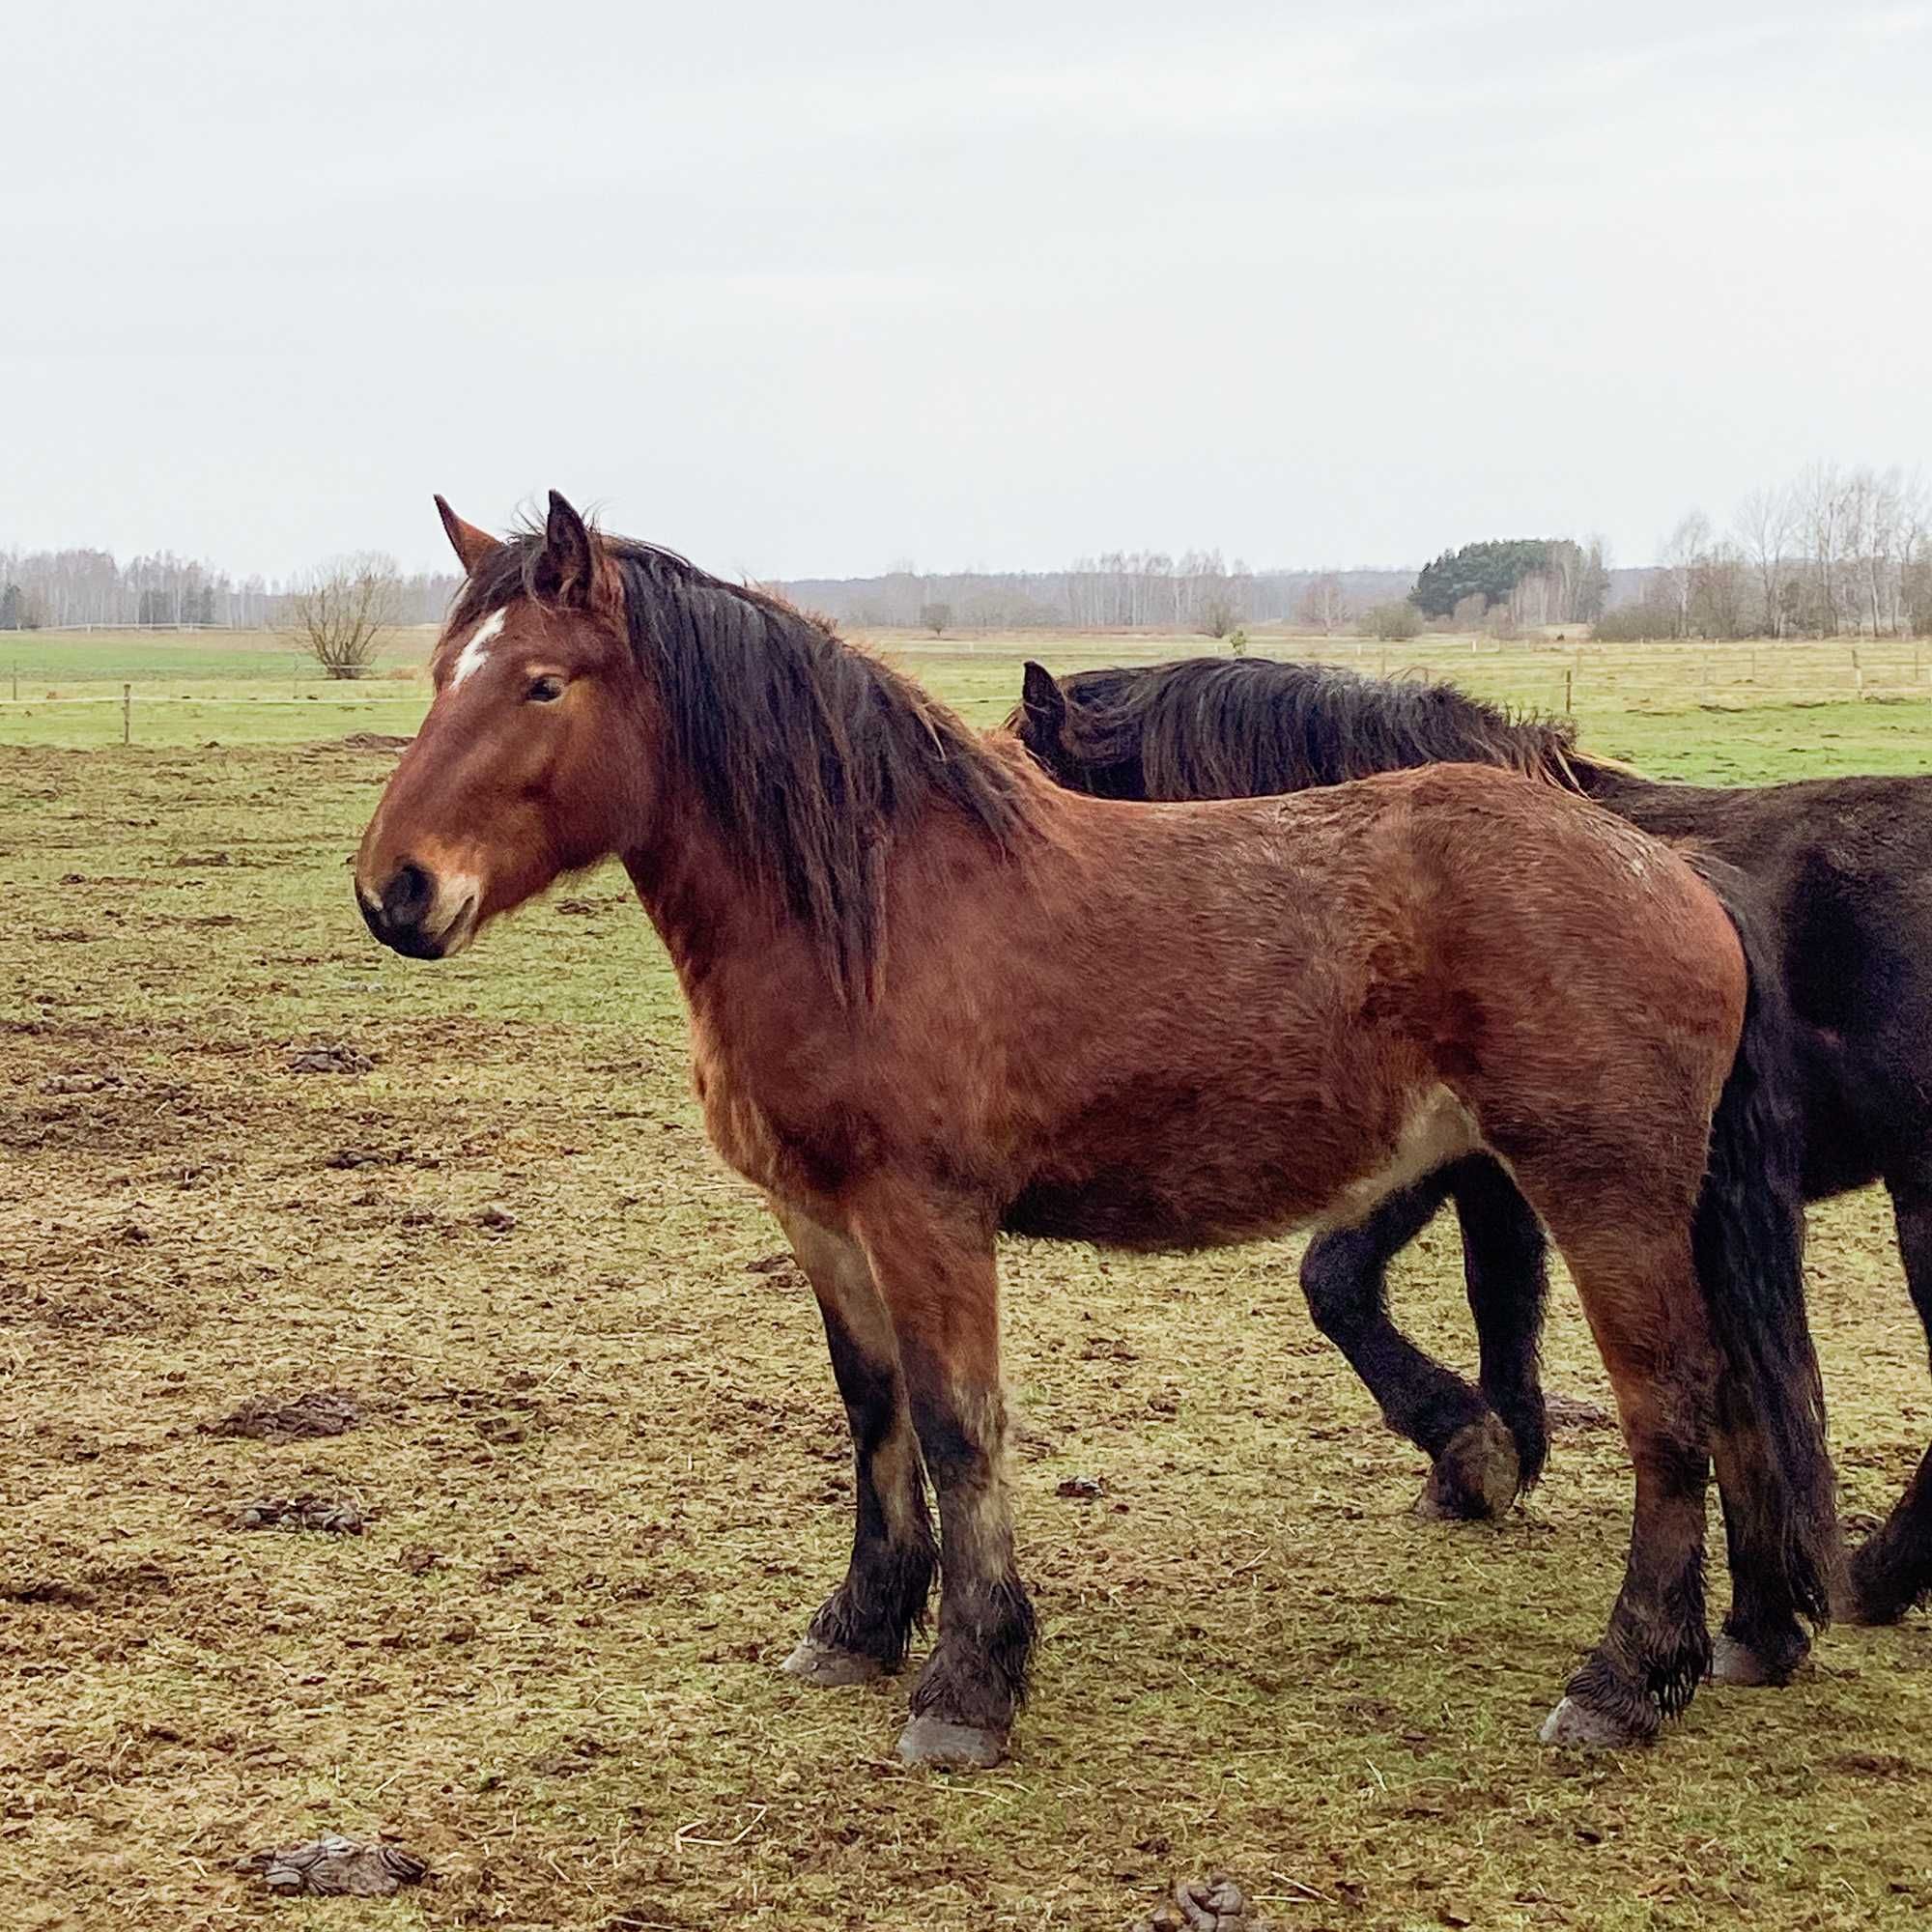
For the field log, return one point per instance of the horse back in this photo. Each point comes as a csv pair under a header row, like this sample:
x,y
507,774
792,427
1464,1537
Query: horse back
x,y
1843,869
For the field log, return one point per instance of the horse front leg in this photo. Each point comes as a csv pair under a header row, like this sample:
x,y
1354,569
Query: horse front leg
x,y
1892,1571
1506,1273
1344,1276
940,1283
861,1630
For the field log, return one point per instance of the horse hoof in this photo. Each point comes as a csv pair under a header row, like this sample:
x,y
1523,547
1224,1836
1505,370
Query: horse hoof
x,y
1742,1667
827,1668
931,1740
1577,1727
1475,1478
1863,1597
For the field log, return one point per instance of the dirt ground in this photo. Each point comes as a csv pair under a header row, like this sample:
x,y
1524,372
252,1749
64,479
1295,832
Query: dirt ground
x,y
589,1441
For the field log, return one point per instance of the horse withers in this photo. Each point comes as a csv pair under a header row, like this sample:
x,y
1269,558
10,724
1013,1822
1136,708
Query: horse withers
x,y
933,996
1841,873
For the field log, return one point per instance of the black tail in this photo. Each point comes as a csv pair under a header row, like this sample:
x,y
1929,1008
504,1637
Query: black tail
x,y
1750,1245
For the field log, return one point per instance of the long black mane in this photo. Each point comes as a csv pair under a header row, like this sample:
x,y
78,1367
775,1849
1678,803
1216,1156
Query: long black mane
x,y
1246,727
809,753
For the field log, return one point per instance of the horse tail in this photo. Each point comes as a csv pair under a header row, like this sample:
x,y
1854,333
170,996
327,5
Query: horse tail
x,y
1749,1242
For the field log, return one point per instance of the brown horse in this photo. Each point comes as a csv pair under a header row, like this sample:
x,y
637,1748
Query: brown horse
x,y
932,996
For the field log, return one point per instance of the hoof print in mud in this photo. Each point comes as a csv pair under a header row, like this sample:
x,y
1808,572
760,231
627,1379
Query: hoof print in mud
x,y
304,1512
1203,1905
304,1419
336,1056
337,1867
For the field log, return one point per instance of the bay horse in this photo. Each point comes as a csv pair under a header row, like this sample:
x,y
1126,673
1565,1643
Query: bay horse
x,y
1843,870
933,996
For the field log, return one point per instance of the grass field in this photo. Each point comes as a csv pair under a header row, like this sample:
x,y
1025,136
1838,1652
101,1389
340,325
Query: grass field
x,y
604,1476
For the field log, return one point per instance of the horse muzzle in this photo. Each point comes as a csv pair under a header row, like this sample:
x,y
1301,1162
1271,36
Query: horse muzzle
x,y
421,913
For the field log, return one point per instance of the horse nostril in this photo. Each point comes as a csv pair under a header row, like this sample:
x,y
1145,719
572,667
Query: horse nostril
x,y
407,897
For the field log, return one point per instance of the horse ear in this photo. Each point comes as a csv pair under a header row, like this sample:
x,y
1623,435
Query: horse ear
x,y
567,569
473,547
1043,698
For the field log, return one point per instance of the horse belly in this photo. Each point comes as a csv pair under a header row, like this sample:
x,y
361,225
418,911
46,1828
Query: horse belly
x,y
1247,1181
1120,1209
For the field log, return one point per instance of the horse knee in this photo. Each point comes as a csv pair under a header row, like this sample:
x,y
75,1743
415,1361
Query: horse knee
x,y
1341,1279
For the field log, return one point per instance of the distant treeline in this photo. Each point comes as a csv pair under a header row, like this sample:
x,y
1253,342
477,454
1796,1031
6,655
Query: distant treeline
x,y
1835,551
1147,590
65,589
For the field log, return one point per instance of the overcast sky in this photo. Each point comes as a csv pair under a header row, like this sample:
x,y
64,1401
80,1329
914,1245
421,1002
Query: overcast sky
x,y
819,289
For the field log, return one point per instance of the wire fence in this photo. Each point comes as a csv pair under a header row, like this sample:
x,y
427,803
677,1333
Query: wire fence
x,y
1545,675
1559,676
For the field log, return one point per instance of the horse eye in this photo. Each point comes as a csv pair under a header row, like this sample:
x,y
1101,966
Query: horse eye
x,y
545,690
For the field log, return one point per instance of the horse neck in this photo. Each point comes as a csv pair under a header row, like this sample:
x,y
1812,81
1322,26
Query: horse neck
x,y
709,911
1612,786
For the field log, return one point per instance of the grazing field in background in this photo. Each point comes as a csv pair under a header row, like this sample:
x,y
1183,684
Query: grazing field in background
x,y
603,1475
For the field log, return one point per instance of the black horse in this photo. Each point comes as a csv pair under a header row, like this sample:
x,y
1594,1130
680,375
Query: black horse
x,y
1842,869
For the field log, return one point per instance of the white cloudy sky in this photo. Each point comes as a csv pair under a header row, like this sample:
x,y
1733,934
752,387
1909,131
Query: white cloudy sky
x,y
821,287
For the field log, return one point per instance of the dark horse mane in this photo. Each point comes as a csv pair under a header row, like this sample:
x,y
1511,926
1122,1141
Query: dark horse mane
x,y
1243,727
808,753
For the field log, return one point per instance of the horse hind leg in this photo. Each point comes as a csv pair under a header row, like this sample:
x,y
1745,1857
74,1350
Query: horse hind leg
x,y
861,1630
1476,1470
1892,1570
1645,1309
1762,1642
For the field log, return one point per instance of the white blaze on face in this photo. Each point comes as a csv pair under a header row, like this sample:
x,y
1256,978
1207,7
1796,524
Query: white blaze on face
x,y
470,658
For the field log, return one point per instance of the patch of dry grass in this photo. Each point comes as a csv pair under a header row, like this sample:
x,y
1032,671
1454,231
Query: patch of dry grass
x,y
605,1481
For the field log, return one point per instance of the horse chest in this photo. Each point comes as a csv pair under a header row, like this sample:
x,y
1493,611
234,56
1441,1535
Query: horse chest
x,y
782,1143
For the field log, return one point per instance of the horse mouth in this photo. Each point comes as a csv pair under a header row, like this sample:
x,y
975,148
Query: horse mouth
x,y
417,940
460,929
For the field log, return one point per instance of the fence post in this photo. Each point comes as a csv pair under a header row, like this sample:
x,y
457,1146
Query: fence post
x,y
126,713
1858,675
1569,693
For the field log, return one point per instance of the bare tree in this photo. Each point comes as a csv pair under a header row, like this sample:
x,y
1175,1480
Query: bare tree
x,y
345,610
1324,605
935,617
1763,527
1219,615
1682,550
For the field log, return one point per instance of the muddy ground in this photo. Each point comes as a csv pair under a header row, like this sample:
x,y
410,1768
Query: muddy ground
x,y
463,1216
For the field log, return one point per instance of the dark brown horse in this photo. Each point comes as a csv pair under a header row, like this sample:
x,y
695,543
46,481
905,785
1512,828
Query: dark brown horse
x,y
1843,870
933,996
